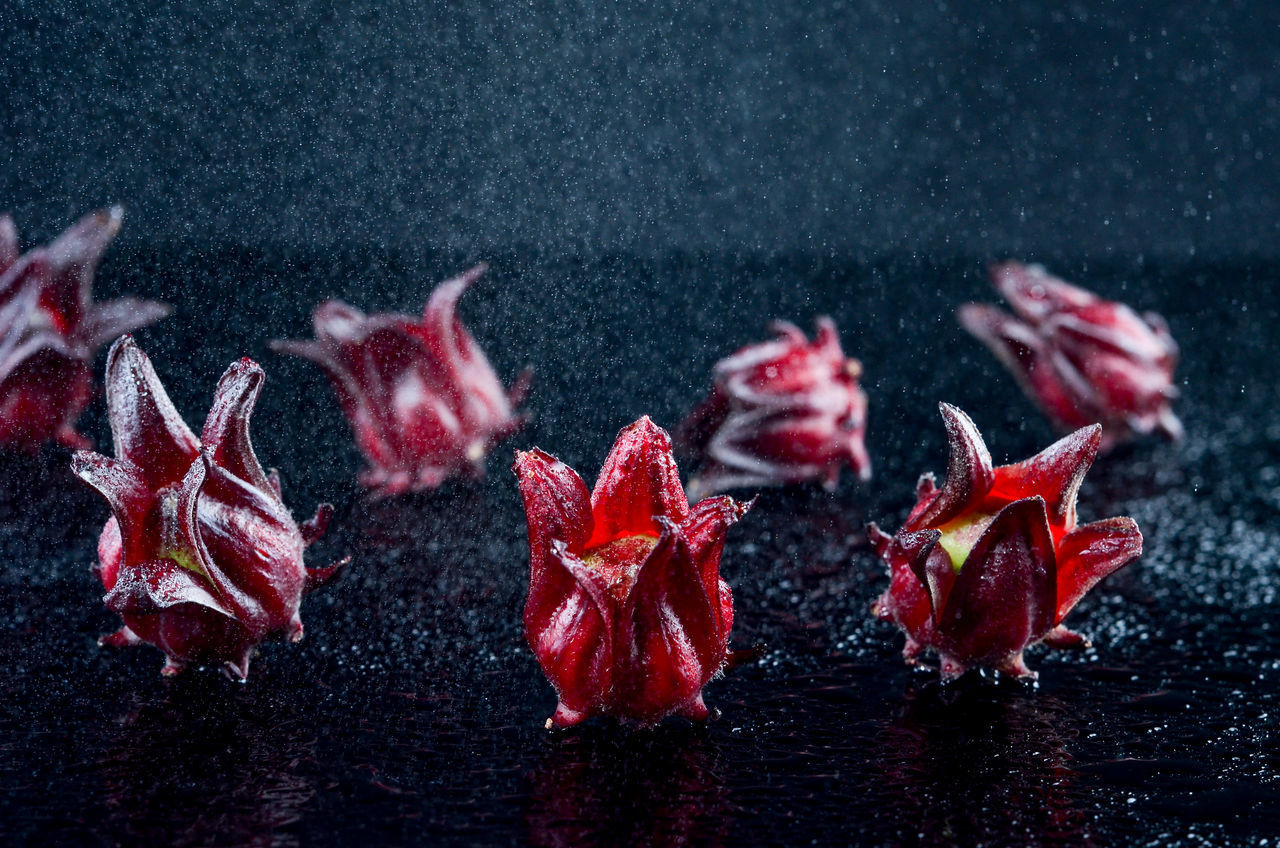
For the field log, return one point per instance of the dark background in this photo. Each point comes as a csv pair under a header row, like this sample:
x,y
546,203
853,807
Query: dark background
x,y
844,127
651,186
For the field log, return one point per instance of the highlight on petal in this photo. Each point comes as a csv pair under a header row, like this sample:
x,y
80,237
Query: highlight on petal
x,y
226,429
969,471
1091,552
147,429
1054,474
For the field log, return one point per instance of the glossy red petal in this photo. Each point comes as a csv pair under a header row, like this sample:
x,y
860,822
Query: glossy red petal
x,y
1054,474
672,628
226,429
155,585
576,645
557,507
638,484
147,428
705,529
124,486
252,538
1089,554
1005,595
969,471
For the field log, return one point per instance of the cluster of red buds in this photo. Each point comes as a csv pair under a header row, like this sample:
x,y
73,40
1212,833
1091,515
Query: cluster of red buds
x,y
50,329
626,613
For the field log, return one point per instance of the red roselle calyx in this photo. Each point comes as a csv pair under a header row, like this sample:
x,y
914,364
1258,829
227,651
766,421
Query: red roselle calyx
x,y
200,557
626,614
422,399
1083,359
993,561
50,329
782,411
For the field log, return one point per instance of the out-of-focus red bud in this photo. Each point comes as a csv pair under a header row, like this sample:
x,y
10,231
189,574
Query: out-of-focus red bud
x,y
1083,359
422,399
783,411
50,329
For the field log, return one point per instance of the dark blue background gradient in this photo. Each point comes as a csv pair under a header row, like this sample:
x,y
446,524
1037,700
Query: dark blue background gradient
x,y
1028,129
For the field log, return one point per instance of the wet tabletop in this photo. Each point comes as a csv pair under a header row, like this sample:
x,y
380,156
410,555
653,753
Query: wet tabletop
x,y
413,711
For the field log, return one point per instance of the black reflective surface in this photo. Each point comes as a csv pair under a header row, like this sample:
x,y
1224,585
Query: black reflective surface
x,y
413,711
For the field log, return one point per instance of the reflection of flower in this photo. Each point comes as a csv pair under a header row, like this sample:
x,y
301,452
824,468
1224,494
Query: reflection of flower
x,y
993,561
657,789
50,329
422,399
200,557
976,766
626,612
197,767
782,411
1085,360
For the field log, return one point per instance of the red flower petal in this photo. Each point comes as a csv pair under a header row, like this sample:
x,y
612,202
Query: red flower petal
x,y
558,507
226,429
1090,553
577,647
124,486
148,430
1004,597
969,471
1054,474
638,483
671,627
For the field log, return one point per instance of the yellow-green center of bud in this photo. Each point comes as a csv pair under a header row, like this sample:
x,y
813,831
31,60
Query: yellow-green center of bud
x,y
961,534
618,561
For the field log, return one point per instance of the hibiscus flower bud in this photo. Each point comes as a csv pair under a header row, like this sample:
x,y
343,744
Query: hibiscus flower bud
x,y
626,614
782,411
993,561
200,557
50,329
1083,359
422,399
